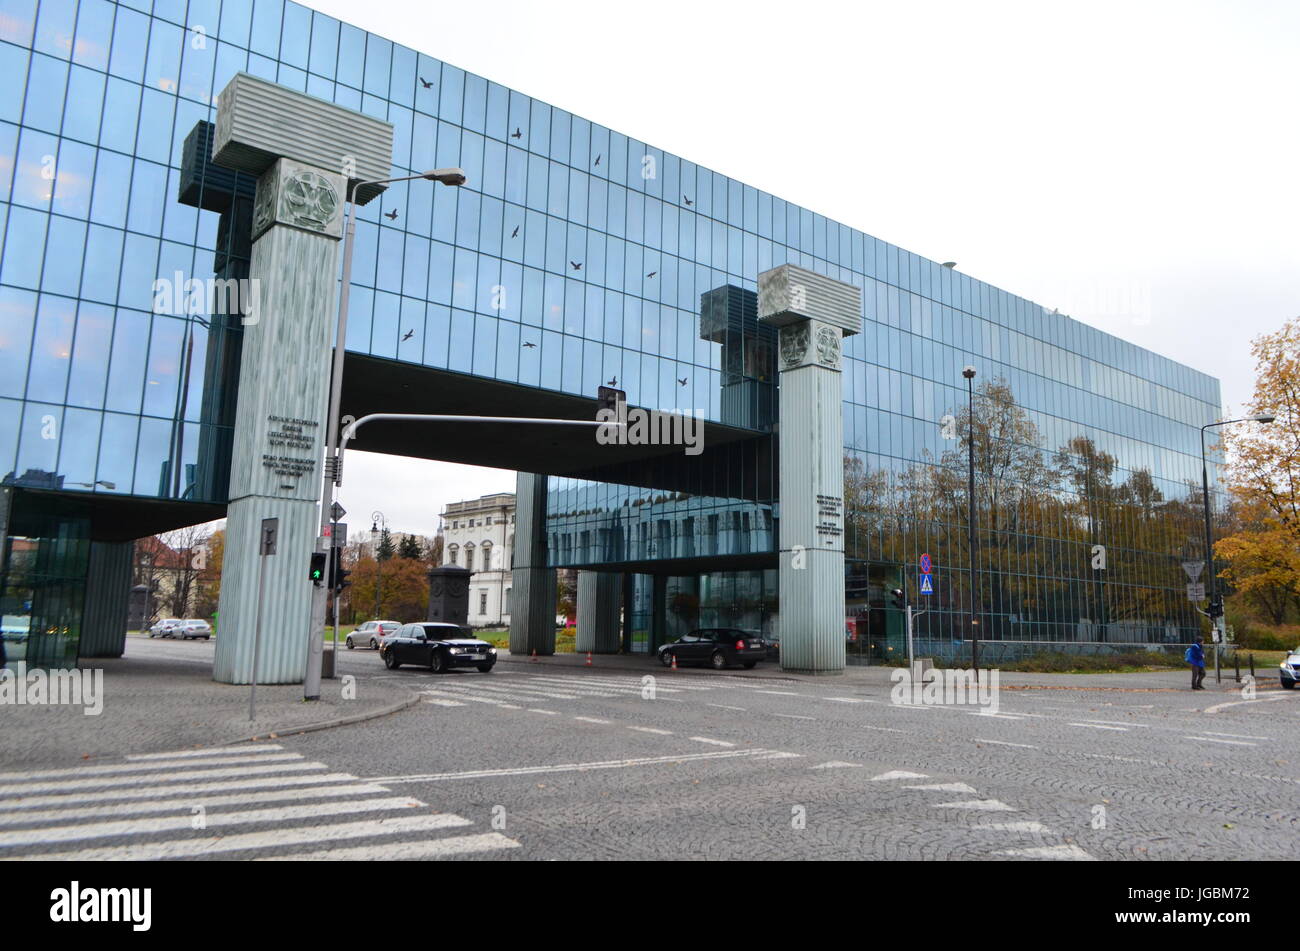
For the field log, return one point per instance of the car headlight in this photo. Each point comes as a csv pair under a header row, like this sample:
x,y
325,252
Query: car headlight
x,y
492,650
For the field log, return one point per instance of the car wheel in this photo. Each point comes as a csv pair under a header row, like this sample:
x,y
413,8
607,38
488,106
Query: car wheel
x,y
437,663
374,644
207,637
153,634
719,660
351,646
390,660
484,668
749,664
667,658
1288,684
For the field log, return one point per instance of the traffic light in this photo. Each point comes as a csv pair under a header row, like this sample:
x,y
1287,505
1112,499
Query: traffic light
x,y
608,398
338,579
899,598
1216,608
317,568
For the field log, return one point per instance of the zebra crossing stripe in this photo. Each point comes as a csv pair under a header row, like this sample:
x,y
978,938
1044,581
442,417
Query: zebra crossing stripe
x,y
273,838
70,784
213,751
109,770
21,816
103,830
150,792
397,851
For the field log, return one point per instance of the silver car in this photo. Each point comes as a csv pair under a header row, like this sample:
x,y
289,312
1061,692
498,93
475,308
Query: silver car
x,y
371,634
165,627
1290,669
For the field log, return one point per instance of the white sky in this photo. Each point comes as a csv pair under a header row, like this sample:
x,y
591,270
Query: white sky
x,y
1132,164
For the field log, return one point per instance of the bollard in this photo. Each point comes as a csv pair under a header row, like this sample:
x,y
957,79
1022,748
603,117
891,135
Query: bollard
x,y
1236,663
1252,666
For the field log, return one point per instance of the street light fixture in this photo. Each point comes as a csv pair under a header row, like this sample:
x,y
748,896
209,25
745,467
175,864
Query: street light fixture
x,y
377,519
969,373
315,644
1216,606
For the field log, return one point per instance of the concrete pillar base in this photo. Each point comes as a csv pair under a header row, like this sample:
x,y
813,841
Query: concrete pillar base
x,y
599,593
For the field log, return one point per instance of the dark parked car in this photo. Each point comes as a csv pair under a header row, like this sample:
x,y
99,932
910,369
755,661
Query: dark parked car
x,y
438,646
720,647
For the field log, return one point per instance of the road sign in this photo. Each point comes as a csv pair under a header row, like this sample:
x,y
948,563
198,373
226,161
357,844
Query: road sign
x,y
926,565
1196,592
1193,569
337,512
927,587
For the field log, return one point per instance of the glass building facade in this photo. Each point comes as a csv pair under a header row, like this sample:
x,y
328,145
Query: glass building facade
x,y
575,255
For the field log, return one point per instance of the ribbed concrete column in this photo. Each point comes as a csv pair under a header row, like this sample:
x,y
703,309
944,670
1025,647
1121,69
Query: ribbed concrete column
x,y
532,601
108,593
813,313
304,151
598,615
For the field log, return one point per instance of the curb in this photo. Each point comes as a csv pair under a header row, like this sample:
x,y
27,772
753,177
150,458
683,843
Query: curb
x,y
330,724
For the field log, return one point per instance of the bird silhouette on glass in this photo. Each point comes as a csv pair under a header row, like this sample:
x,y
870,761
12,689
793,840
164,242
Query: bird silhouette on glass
x,y
515,233
391,214
425,83
682,381
409,334
688,201
598,157
575,265
529,345
613,382
516,134
652,274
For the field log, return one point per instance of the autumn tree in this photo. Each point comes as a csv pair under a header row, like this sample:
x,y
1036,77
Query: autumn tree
x,y
1264,476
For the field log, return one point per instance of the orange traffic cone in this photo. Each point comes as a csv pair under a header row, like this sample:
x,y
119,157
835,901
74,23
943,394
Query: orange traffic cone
x,y
674,661
588,664
534,655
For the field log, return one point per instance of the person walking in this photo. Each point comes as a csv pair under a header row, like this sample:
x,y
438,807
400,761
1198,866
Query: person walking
x,y
1196,657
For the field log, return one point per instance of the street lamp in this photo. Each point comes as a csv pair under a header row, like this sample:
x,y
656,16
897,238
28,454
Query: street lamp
x,y
969,373
315,644
1216,606
376,520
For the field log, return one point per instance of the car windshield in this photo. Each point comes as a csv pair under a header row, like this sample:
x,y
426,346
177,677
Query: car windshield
x,y
443,632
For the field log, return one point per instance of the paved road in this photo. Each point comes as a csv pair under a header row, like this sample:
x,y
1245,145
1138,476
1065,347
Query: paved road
x,y
567,763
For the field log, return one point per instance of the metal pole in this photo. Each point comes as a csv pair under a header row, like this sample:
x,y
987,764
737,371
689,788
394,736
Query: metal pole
x,y
911,659
257,633
970,502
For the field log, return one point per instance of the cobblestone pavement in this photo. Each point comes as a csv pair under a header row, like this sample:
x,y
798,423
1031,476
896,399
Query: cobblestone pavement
x,y
543,762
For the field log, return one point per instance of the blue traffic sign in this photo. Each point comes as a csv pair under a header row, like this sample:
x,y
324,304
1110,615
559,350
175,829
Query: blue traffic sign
x,y
926,586
926,565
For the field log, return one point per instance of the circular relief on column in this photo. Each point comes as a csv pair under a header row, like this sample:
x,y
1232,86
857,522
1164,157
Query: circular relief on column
x,y
456,588
435,589
794,344
309,200
828,347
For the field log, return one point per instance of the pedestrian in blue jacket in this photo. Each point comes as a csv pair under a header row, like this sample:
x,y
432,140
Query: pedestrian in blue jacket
x,y
1196,657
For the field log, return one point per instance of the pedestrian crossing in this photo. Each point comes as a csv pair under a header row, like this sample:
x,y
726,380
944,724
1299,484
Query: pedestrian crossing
x,y
502,690
256,799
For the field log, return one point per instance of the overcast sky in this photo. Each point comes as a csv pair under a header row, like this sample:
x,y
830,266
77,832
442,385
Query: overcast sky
x,y
1132,164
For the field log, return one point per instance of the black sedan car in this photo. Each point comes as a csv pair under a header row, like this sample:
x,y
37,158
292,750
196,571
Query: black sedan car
x,y
438,646
719,647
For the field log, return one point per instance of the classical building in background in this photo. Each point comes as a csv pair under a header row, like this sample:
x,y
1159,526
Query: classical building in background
x,y
575,256
479,534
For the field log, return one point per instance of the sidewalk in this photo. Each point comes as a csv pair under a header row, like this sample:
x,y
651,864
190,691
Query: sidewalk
x,y
156,705
855,675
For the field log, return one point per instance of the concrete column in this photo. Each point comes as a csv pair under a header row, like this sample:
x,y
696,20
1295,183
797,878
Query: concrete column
x,y
813,314
598,615
304,151
108,593
532,601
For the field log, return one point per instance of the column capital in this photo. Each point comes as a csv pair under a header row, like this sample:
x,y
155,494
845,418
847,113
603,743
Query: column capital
x,y
300,196
791,295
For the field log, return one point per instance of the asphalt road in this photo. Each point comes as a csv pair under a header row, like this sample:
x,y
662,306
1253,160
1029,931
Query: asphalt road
x,y
542,762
